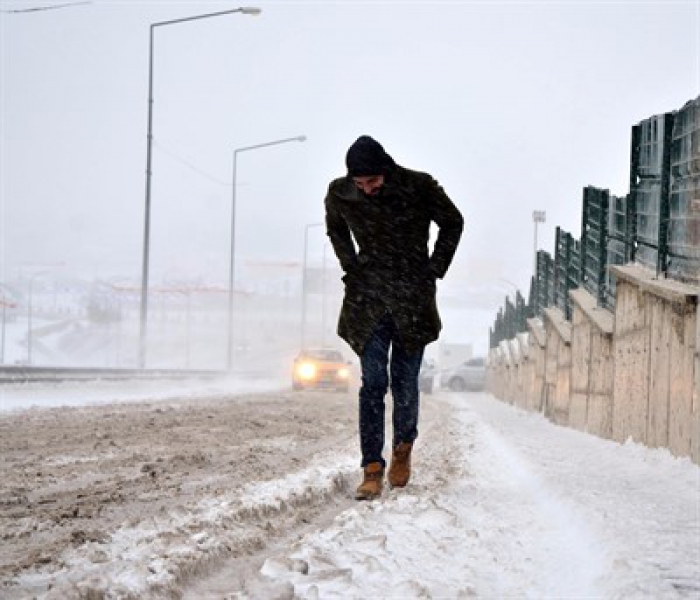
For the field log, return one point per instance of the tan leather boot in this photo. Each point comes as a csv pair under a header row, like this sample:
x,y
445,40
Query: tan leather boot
x,y
371,486
400,470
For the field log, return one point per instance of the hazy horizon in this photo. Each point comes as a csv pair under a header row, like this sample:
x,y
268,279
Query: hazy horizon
x,y
512,106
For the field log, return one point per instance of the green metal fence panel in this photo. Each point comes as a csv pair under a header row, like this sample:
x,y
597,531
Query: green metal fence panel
x,y
620,250
594,242
649,188
498,332
573,274
520,313
684,198
530,310
567,269
544,283
560,265
510,320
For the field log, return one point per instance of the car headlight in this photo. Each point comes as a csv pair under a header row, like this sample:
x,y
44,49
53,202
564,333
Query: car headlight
x,y
306,370
343,373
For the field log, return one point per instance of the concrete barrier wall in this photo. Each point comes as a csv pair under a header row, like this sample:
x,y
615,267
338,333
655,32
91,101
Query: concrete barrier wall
x,y
557,366
524,395
496,374
538,344
551,356
591,366
628,375
519,367
656,345
580,368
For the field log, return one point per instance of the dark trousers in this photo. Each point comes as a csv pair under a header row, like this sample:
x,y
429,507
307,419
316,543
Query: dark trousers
x,y
375,383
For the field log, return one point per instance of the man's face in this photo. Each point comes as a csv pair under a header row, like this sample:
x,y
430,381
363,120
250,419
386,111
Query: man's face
x,y
371,185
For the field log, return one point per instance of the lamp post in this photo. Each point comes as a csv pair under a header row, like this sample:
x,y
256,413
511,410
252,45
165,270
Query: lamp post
x,y
232,265
538,216
149,144
304,281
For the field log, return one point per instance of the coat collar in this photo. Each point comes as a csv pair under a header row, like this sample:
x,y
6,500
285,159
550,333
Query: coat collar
x,y
397,185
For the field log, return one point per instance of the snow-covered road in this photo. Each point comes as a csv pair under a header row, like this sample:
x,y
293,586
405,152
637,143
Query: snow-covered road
x,y
143,501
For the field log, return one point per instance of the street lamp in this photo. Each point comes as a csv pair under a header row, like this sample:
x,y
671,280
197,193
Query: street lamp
x,y
304,281
299,138
538,216
149,144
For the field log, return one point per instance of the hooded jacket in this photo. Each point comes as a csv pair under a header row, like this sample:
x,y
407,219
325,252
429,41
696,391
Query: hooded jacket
x,y
382,245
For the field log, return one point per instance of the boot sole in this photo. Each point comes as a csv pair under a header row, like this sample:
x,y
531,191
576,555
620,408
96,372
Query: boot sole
x,y
361,497
398,485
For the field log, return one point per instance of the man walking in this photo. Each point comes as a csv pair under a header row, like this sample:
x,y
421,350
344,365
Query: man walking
x,y
378,219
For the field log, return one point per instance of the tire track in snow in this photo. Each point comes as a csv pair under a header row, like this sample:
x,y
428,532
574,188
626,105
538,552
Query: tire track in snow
x,y
156,557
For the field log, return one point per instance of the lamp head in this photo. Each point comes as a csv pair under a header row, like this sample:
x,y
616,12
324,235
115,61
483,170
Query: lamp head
x,y
251,10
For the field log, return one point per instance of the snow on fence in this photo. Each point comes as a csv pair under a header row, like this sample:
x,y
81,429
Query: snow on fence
x,y
632,374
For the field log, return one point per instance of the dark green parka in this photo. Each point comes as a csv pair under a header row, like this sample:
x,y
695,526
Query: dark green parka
x,y
391,269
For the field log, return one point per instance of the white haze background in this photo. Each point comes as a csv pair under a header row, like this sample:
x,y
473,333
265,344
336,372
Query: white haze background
x,y
512,106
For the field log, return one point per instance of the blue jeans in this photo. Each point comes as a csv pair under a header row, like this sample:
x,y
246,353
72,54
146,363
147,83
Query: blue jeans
x,y
375,383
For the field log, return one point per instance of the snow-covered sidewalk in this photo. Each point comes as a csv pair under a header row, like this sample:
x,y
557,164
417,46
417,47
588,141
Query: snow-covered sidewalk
x,y
506,504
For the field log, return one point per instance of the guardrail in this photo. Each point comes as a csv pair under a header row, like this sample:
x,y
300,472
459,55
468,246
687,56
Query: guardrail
x,y
24,374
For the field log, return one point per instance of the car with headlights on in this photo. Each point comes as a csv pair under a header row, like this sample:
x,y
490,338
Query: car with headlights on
x,y
321,368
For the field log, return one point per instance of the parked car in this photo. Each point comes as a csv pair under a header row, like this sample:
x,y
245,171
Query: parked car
x,y
321,368
426,377
470,375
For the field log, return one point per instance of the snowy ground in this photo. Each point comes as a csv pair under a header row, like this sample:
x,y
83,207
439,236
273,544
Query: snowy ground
x,y
508,505
251,497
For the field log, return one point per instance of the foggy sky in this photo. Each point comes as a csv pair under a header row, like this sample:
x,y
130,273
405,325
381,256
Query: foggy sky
x,y
512,106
